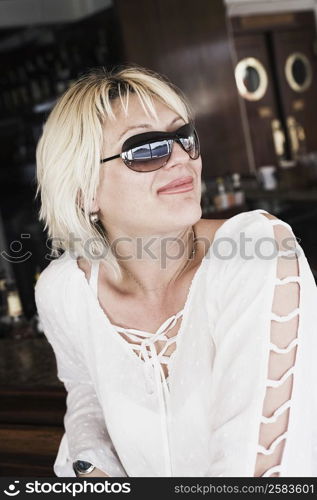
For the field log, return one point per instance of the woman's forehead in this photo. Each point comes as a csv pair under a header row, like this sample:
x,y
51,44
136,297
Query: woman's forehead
x,y
136,118
134,109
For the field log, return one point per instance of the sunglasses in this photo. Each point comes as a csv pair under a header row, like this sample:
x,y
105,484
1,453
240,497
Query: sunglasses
x,y
151,150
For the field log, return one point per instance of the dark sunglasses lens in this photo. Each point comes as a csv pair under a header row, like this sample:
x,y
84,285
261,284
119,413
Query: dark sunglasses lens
x,y
191,145
155,153
148,157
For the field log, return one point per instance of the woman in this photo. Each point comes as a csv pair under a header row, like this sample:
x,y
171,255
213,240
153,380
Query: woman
x,y
184,344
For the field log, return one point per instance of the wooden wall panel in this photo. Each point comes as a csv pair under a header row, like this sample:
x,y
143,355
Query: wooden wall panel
x,y
188,42
31,428
28,450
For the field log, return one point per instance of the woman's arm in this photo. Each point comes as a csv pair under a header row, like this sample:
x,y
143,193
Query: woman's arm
x,y
283,348
86,436
96,473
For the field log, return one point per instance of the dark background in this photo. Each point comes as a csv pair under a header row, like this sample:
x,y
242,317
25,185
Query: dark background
x,y
47,44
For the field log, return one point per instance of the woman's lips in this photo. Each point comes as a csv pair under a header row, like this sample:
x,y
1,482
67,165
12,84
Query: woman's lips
x,y
180,189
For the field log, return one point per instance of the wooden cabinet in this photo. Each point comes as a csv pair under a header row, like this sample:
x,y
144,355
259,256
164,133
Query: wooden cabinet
x,y
262,111
33,404
279,53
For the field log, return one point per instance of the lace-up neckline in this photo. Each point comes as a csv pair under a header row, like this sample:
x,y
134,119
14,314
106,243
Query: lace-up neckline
x,y
146,347
144,342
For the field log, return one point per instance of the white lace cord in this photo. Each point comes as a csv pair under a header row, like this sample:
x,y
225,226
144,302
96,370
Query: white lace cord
x,y
148,340
154,373
163,410
153,362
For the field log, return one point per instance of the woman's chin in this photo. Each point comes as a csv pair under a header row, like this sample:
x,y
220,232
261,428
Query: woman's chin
x,y
187,213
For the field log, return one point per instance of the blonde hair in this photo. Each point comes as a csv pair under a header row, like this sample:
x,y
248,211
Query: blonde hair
x,y
68,153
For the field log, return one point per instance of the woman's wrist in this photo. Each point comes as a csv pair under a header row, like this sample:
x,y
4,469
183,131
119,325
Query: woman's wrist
x,y
95,473
82,468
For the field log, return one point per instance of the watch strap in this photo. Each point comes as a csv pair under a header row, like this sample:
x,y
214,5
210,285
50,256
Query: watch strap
x,y
81,467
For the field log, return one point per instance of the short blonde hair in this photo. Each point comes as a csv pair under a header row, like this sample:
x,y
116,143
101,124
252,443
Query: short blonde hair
x,y
68,153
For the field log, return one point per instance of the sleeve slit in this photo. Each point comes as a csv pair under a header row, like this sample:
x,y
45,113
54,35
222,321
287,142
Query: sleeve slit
x,y
279,382
272,470
279,411
278,222
288,279
285,253
284,350
278,404
270,450
287,317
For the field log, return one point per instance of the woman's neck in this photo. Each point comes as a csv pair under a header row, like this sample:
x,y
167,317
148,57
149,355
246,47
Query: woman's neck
x,y
152,265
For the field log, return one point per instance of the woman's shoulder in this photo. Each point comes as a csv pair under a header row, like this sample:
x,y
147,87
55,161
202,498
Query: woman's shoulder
x,y
210,228
244,239
56,278
206,228
85,266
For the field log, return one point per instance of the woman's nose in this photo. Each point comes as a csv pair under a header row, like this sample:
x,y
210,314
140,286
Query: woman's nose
x,y
178,155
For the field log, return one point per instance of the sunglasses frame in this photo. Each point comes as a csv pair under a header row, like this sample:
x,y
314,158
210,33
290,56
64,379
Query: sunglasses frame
x,y
145,138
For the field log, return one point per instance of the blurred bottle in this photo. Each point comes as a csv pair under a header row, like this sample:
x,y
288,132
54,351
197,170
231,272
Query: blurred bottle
x,y
5,322
101,48
205,201
267,177
42,76
23,87
34,88
239,196
62,70
75,61
221,200
20,327
36,322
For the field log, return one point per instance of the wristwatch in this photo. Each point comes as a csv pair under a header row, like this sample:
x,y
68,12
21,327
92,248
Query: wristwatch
x,y
81,467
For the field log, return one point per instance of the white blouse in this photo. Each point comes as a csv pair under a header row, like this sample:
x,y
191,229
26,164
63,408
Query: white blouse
x,y
241,389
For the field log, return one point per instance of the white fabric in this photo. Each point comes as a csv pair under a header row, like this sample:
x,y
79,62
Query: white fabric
x,y
146,341
123,417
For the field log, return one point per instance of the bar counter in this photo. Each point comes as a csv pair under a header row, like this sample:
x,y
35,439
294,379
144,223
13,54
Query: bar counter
x,y
33,403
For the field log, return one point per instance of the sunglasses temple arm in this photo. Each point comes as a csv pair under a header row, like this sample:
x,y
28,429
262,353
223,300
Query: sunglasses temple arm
x,y
110,158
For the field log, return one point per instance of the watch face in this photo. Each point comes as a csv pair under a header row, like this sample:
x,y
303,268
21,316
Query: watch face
x,y
83,467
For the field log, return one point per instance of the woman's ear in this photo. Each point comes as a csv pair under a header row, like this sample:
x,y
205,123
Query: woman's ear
x,y
79,200
94,206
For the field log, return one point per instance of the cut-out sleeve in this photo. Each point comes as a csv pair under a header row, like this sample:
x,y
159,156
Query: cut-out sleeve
x,y
86,436
283,346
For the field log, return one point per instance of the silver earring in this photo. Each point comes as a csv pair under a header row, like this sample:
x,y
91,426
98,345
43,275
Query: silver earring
x,y
93,218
